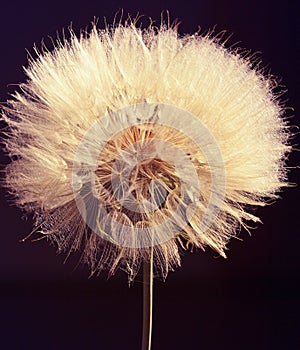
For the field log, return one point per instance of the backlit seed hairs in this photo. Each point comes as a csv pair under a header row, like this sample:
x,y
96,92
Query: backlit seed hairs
x,y
127,140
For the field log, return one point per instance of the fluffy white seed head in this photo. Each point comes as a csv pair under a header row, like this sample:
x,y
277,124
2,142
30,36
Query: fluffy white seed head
x,y
73,87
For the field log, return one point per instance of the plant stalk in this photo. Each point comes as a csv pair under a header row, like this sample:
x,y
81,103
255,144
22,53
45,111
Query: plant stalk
x,y
147,302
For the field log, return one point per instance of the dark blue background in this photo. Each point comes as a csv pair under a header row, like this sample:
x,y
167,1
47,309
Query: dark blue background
x,y
249,301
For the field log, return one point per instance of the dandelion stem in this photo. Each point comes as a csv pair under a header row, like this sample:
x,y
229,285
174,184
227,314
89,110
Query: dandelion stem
x,y
147,302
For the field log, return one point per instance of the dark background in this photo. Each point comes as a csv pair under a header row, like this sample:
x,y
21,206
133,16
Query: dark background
x,y
249,301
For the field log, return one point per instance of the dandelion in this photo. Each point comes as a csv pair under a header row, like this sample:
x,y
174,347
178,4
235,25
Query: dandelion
x,y
96,83
136,144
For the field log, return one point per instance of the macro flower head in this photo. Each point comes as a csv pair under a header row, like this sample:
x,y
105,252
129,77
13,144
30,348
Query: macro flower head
x,y
127,141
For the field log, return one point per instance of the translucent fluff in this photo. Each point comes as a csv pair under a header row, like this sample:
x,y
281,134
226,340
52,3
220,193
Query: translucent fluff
x,y
69,89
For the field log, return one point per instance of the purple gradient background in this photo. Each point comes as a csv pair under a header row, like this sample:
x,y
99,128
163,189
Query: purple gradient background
x,y
249,301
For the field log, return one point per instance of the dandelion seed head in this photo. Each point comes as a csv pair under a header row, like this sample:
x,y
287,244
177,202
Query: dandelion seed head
x,y
128,140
